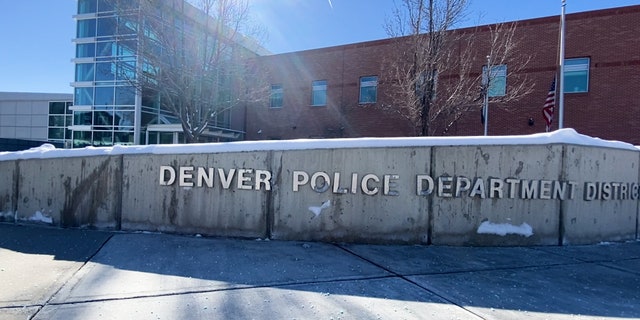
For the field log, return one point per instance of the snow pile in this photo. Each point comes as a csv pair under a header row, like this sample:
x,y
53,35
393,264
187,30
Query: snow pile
x,y
8,215
40,217
566,136
503,229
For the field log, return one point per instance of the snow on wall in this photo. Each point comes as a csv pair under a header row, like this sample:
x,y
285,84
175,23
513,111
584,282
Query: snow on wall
x,y
566,136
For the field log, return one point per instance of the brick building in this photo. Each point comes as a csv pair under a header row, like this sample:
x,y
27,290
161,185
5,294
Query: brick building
x,y
339,91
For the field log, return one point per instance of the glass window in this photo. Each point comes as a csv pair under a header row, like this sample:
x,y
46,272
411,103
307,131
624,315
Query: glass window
x,y
498,80
124,137
125,96
105,71
83,96
126,70
127,48
56,121
576,75
105,5
124,119
56,133
368,89
86,28
85,50
82,118
104,49
106,26
127,24
57,107
81,139
166,137
102,138
102,120
86,6
319,93
104,96
125,5
276,96
153,137
84,71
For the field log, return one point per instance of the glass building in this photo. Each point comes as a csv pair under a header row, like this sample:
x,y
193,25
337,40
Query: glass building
x,y
109,108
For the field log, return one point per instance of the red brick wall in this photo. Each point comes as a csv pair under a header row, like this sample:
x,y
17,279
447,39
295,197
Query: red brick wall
x,y
609,110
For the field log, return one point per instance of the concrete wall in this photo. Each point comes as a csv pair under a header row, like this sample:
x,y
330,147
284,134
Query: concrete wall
x,y
553,194
458,218
233,211
73,192
359,214
8,191
605,218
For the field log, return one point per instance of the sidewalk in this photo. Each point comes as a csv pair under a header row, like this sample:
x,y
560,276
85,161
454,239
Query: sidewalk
x,y
50,273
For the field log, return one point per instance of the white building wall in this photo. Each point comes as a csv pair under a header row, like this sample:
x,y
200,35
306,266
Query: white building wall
x,y
25,115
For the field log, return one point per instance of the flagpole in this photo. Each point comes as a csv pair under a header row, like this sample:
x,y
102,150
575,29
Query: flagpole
x,y
485,102
560,77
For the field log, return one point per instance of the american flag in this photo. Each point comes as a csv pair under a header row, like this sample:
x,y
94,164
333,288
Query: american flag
x,y
549,105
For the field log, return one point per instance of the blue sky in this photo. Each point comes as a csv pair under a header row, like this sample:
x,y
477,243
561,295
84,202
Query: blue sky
x,y
36,50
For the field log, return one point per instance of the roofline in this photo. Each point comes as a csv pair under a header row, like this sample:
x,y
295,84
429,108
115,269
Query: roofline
x,y
526,22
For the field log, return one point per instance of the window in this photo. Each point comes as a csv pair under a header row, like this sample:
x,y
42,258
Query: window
x,y
276,96
84,71
105,5
103,96
60,117
126,69
83,96
576,75
82,118
125,96
103,118
105,49
101,138
81,139
126,48
498,80
86,6
57,107
368,89
105,71
106,26
124,120
86,28
319,93
85,50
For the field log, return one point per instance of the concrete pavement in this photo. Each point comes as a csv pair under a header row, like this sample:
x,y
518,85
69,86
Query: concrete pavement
x,y
48,273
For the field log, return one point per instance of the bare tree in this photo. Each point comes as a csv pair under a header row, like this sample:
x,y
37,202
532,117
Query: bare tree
x,y
434,70
195,69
